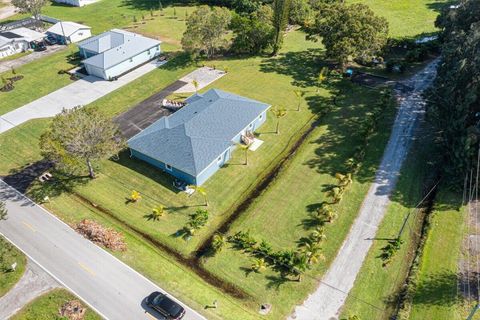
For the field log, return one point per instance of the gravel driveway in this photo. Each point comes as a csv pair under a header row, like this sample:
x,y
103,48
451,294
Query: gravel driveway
x,y
326,302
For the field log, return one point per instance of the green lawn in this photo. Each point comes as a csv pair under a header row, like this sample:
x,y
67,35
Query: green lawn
x,y
407,18
378,285
436,293
47,306
15,56
40,78
10,255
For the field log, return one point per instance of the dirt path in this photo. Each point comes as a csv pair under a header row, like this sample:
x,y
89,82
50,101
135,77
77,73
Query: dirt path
x,y
34,282
6,11
325,303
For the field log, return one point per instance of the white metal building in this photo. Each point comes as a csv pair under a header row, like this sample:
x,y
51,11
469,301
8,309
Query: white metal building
x,y
76,3
69,32
116,52
18,40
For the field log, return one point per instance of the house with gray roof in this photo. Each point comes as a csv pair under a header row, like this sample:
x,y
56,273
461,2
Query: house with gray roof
x,y
116,52
197,140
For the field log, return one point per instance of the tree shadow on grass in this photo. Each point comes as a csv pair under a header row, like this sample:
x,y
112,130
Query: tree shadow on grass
x,y
275,282
439,5
303,66
437,289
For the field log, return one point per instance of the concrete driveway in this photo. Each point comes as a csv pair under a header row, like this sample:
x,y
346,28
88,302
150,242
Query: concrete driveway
x,y
79,93
326,302
107,285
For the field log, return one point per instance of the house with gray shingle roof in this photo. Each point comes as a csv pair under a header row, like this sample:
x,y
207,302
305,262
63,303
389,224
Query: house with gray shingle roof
x,y
116,52
197,140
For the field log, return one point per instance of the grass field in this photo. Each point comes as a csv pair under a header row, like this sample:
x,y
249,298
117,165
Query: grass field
x,y
47,306
10,255
436,292
407,18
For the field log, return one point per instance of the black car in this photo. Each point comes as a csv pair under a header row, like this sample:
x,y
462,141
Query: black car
x,y
166,306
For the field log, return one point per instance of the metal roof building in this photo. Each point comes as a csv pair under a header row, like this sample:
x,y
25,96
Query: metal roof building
x,y
194,142
115,52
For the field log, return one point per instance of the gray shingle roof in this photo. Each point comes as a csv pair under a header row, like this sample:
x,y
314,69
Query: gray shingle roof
x,y
115,46
193,137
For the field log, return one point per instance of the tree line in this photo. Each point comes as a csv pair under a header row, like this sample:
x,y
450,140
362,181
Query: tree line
x,y
453,106
347,31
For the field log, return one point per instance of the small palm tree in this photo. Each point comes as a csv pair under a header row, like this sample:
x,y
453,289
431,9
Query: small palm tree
x,y
218,242
300,94
344,180
135,196
318,235
322,76
158,212
258,265
202,191
244,147
313,251
195,84
336,194
279,113
300,265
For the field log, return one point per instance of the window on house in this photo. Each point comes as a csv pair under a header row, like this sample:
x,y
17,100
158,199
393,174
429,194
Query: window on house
x,y
219,159
131,60
168,167
148,51
250,125
261,116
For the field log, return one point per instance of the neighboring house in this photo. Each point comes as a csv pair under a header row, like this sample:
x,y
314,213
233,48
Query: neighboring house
x,y
69,32
116,52
18,40
194,142
76,3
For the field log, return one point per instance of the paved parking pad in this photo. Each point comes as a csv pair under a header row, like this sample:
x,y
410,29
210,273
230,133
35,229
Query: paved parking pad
x,y
79,93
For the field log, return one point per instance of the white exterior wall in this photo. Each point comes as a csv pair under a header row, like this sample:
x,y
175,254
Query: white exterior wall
x,y
80,35
95,71
76,3
132,63
13,48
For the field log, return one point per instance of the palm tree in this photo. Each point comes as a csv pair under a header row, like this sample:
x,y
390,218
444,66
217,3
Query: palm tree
x,y
244,147
200,190
344,180
326,213
322,76
300,94
300,265
195,84
336,194
279,113
258,265
158,212
313,251
135,196
218,242
318,235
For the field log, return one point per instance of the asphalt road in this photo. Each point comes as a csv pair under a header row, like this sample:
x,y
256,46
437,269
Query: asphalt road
x,y
105,283
326,302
